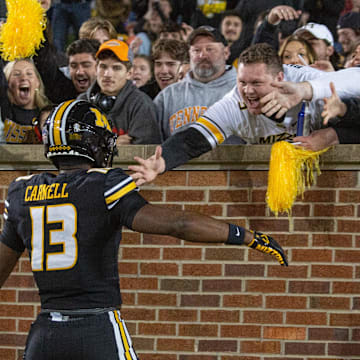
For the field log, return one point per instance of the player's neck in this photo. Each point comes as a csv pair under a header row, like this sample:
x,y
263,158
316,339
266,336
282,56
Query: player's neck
x,y
67,169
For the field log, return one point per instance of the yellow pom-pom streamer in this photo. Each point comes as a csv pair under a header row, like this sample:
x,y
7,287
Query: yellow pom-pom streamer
x,y
23,31
291,171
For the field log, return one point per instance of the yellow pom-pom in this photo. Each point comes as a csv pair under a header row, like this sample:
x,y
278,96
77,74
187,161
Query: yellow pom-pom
x,y
23,31
291,170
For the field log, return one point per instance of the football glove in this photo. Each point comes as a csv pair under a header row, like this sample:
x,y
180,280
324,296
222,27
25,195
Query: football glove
x,y
267,245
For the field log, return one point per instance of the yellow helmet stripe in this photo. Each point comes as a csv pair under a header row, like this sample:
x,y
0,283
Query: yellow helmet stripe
x,y
57,122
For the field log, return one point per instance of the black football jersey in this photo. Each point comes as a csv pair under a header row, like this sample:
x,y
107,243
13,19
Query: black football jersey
x,y
71,225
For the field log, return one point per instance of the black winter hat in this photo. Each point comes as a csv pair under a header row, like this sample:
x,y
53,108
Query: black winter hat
x,y
349,20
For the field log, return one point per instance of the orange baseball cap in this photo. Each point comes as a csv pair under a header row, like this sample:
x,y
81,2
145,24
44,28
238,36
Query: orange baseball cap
x,y
119,48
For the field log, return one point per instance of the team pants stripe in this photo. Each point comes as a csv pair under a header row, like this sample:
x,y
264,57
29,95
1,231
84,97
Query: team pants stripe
x,y
122,337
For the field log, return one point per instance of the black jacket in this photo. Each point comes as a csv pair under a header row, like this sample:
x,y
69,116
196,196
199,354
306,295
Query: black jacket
x,y
348,128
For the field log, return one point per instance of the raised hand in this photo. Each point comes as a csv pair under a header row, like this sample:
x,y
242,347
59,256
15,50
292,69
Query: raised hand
x,y
282,12
266,244
148,169
333,106
187,29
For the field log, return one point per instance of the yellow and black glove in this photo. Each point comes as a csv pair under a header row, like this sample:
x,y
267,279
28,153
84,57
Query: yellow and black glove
x,y
267,245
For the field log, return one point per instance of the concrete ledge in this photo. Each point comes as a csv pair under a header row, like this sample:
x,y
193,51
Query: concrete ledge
x,y
226,157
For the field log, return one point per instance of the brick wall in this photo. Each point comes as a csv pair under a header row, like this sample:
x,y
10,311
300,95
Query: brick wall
x,y
186,301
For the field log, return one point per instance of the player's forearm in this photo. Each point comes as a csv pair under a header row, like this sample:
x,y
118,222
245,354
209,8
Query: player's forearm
x,y
183,224
200,228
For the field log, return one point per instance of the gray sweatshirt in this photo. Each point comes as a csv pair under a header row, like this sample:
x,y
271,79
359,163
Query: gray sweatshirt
x,y
180,104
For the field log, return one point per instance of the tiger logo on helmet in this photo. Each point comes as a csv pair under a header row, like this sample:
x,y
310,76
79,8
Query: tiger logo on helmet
x,y
79,128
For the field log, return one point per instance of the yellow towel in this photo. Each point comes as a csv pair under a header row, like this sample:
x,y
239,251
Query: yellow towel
x,y
23,31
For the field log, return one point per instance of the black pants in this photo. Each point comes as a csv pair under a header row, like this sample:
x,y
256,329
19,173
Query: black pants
x,y
89,337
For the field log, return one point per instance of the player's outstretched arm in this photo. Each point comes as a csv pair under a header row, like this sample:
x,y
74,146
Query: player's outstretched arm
x,y
196,227
148,169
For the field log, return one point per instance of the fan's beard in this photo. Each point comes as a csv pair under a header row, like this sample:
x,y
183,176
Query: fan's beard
x,y
204,72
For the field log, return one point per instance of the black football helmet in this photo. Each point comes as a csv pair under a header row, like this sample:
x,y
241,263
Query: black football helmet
x,y
79,128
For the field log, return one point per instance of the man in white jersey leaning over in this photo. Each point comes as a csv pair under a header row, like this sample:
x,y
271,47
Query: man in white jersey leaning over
x,y
240,112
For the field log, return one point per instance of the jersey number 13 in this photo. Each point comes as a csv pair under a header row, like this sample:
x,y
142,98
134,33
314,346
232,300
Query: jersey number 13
x,y
65,216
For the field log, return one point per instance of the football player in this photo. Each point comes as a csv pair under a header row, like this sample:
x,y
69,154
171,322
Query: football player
x,y
70,223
